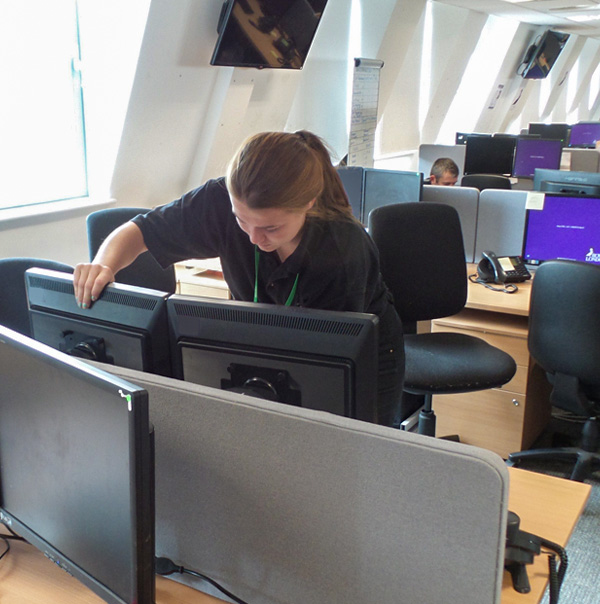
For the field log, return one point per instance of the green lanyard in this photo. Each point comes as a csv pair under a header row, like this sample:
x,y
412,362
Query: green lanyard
x,y
292,295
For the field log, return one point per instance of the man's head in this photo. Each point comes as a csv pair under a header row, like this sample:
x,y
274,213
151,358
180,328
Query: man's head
x,y
444,172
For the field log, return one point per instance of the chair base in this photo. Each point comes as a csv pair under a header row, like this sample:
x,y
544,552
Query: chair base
x,y
586,462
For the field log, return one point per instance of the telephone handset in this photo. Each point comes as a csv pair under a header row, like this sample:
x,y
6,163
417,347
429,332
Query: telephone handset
x,y
506,269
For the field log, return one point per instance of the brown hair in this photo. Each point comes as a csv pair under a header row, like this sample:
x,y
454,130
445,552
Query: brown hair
x,y
287,170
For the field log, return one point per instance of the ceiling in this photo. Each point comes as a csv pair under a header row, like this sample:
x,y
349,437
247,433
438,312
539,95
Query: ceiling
x,y
581,17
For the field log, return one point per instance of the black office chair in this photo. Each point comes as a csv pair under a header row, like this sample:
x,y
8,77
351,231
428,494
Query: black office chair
x,y
144,271
423,263
486,181
564,339
14,312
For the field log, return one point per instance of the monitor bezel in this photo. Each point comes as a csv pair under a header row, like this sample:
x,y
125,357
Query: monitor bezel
x,y
290,333
226,27
140,469
534,262
475,156
591,145
533,141
134,316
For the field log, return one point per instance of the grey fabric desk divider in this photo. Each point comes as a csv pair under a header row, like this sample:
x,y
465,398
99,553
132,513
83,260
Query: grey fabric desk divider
x,y
500,222
466,202
283,505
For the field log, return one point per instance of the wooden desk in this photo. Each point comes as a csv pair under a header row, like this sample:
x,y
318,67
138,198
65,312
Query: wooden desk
x,y
547,506
201,278
509,418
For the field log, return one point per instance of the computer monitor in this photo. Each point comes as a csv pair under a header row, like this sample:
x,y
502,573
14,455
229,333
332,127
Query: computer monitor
x,y
584,135
489,155
532,153
552,131
370,188
318,359
126,326
266,34
565,228
566,181
77,471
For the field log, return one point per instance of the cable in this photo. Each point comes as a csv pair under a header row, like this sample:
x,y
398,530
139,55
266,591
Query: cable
x,y
508,288
556,576
164,566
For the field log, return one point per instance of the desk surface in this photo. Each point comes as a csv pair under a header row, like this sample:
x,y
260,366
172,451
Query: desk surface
x,y
482,298
547,506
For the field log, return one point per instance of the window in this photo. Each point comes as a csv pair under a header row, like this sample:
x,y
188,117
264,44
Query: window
x,y
42,137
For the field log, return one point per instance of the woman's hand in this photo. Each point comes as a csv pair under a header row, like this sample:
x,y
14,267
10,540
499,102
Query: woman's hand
x,y
117,251
89,279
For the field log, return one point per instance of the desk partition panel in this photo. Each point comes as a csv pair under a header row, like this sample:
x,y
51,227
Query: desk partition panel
x,y
500,222
466,202
283,505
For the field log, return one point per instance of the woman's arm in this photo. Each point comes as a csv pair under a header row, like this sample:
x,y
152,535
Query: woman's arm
x,y
117,251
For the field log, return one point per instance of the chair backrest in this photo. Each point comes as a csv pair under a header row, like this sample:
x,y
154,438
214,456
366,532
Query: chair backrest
x,y
486,181
422,259
145,270
14,312
564,330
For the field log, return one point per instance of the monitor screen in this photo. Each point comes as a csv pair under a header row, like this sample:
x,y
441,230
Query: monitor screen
x,y
126,326
532,153
318,359
266,33
77,468
489,155
551,131
585,135
542,56
567,181
566,228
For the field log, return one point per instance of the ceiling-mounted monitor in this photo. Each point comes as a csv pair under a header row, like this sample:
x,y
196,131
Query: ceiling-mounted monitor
x,y
266,33
541,56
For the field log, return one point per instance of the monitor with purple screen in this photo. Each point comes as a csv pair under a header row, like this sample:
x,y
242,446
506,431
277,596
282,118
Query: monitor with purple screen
x,y
532,153
584,134
568,228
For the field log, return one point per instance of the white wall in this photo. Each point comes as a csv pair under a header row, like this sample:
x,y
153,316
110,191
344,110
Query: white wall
x,y
184,118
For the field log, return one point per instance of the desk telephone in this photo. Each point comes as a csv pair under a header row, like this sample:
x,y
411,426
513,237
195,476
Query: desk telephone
x,y
507,269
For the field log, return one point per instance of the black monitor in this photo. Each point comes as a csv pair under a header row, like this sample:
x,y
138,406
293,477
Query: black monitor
x,y
489,155
370,188
551,131
127,326
566,181
566,227
540,57
585,135
266,33
318,359
460,138
532,153
77,471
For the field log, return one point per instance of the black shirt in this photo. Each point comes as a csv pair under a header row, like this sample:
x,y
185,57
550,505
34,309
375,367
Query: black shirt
x,y
336,261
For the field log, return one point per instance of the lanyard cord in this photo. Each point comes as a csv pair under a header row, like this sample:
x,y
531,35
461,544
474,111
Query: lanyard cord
x,y
292,295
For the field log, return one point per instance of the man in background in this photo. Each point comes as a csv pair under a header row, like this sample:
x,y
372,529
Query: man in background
x,y
444,172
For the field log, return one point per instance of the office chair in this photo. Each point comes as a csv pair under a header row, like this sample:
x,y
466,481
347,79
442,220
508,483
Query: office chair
x,y
486,181
564,339
423,263
145,270
14,312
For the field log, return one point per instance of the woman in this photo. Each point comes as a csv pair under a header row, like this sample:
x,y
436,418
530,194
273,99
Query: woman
x,y
281,223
